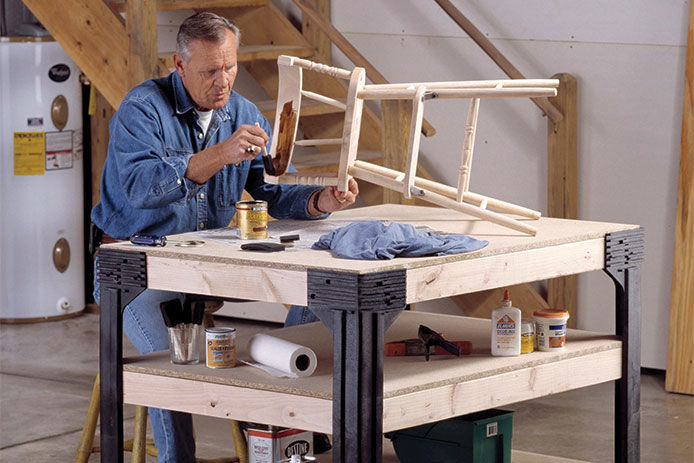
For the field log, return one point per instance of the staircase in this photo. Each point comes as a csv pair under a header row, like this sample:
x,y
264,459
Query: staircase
x,y
114,55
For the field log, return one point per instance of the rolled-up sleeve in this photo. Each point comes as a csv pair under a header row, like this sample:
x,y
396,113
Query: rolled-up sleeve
x,y
151,175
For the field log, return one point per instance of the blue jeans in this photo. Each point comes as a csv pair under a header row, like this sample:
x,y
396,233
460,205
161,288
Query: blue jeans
x,y
144,326
298,315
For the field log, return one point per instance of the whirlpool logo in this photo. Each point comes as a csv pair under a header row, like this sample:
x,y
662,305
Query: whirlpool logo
x,y
59,72
300,447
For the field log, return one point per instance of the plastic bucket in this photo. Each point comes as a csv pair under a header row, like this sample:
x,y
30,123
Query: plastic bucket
x,y
550,329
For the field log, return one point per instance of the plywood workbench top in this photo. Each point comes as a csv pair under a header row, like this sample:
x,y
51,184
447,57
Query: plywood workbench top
x,y
551,232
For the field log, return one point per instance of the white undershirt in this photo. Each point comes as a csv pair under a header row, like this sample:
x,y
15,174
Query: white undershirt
x,y
205,118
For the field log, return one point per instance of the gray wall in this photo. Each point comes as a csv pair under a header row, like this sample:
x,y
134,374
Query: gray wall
x,y
628,57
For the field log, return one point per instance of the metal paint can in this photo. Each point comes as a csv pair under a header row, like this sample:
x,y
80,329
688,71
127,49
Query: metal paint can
x,y
220,346
252,219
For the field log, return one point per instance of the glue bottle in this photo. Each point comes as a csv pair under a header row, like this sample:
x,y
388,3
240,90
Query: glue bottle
x,y
506,329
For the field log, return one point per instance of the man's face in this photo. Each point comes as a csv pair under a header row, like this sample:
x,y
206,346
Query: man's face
x,y
209,74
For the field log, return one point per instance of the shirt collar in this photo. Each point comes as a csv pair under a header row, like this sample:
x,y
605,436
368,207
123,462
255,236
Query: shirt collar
x,y
184,102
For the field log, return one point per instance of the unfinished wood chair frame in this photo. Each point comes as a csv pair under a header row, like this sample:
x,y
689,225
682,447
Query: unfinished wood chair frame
x,y
458,198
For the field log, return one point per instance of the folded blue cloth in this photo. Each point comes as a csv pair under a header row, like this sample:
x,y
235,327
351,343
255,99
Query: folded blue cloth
x,y
375,240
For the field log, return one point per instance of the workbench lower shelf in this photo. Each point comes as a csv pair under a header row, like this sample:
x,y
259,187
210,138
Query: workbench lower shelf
x,y
415,391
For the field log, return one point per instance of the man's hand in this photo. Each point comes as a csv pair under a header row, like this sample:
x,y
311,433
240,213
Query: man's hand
x,y
331,200
233,150
244,144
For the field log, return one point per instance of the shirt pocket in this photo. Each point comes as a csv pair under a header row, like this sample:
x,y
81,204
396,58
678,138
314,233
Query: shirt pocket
x,y
226,188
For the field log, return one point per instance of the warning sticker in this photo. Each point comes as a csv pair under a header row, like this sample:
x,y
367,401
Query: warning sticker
x,y
29,153
59,150
77,144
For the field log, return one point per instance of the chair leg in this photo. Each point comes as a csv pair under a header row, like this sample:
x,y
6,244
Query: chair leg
x,y
139,435
239,441
84,449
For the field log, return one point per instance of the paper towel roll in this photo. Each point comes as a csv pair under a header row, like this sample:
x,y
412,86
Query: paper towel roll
x,y
285,356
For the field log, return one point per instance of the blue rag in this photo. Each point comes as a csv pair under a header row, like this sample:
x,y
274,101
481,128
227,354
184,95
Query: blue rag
x,y
375,240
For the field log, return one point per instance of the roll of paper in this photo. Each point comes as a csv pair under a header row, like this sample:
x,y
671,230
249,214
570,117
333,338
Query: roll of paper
x,y
286,357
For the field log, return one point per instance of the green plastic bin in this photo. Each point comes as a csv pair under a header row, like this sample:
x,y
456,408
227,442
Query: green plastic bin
x,y
482,437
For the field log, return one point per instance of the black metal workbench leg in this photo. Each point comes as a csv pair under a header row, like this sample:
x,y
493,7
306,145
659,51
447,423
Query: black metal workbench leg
x,y
357,309
122,276
623,257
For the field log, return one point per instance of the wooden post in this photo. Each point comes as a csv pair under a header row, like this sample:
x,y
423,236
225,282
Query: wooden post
x,y
99,128
141,29
680,359
314,35
396,115
562,185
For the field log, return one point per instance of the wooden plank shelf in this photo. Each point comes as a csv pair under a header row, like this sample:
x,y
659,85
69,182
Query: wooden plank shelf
x,y
415,391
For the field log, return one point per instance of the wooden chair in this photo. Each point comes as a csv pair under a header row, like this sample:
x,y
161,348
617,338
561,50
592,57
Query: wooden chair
x,y
458,198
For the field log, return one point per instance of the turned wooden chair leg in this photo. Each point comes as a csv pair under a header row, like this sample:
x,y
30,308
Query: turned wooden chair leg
x,y
239,441
84,449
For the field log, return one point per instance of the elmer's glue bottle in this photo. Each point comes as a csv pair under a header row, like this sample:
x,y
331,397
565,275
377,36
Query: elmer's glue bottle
x,y
506,329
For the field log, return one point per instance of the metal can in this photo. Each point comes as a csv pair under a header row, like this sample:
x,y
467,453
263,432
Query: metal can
x,y
252,219
527,336
220,346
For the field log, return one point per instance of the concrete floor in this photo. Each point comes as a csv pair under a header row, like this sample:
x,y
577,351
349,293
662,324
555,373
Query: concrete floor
x,y
47,370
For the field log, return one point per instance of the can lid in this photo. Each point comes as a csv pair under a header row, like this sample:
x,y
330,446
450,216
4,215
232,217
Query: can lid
x,y
551,313
220,330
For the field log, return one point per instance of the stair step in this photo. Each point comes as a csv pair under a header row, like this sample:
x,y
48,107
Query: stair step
x,y
308,108
119,5
248,53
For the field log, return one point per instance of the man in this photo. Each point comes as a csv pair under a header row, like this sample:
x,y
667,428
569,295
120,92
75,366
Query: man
x,y
182,149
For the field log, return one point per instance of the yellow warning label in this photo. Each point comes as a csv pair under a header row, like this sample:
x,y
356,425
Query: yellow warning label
x,y
29,153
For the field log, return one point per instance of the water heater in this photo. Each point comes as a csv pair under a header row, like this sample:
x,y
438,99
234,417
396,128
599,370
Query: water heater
x,y
41,189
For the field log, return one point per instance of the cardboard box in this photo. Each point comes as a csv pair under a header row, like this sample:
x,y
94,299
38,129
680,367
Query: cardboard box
x,y
271,444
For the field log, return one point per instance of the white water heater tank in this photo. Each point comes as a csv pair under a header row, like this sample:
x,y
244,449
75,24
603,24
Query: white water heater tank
x,y
41,190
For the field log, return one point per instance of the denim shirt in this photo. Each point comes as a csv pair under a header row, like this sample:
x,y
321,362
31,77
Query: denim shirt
x,y
153,135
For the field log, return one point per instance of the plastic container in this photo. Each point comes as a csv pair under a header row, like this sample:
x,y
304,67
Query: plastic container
x,y
550,328
483,437
506,329
527,335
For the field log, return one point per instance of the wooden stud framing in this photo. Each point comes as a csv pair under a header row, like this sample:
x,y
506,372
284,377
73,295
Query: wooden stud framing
x,y
562,183
680,359
141,29
315,35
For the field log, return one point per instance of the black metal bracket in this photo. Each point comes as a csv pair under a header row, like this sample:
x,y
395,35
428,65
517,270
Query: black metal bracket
x,y
624,253
122,277
357,309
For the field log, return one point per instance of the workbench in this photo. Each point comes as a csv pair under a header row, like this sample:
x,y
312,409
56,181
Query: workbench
x,y
356,394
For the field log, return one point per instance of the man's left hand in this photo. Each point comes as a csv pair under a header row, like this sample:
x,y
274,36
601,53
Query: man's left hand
x,y
331,200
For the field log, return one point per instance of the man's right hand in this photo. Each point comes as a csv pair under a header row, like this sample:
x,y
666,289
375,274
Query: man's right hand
x,y
233,150
244,144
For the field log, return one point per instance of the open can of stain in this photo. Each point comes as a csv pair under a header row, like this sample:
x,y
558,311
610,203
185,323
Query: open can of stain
x,y
252,219
220,346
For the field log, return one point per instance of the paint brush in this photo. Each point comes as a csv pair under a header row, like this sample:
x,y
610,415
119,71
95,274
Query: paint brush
x,y
267,159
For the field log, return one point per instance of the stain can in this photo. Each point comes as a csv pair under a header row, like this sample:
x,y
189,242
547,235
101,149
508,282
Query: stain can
x,y
527,336
252,219
220,346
